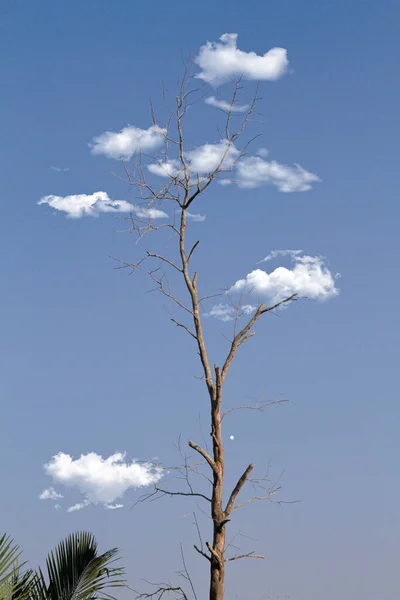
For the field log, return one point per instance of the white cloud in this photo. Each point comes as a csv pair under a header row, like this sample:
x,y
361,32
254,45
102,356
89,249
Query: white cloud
x,y
222,60
80,205
226,106
113,506
170,168
101,481
78,506
309,277
125,143
226,312
148,213
223,312
50,494
206,158
197,218
57,507
263,152
251,172
59,170
202,160
276,253
254,172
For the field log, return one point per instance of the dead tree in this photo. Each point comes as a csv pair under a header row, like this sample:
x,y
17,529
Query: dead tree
x,y
183,189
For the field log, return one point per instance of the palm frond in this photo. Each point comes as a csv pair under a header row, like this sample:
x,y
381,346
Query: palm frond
x,y
75,571
9,554
14,585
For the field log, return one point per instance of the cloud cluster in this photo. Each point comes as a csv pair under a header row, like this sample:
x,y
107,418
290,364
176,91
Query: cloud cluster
x,y
222,60
125,143
202,160
309,277
226,106
250,172
81,205
254,171
101,481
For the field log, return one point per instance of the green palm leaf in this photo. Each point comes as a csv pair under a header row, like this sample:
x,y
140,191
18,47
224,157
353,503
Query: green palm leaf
x,y
13,584
75,571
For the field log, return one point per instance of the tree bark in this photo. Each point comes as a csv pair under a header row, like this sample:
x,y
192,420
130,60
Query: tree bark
x,y
217,563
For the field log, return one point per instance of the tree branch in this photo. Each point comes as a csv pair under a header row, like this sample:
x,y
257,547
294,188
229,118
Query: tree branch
x,y
185,327
244,334
201,552
164,259
242,480
204,454
249,555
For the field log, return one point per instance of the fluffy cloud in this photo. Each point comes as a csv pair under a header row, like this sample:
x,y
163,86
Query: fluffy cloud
x,y
219,61
101,481
80,205
202,160
226,106
205,159
226,312
59,169
125,143
170,168
50,494
148,213
254,172
309,277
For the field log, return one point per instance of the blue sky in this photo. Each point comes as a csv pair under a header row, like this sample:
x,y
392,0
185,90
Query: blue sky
x,y
90,363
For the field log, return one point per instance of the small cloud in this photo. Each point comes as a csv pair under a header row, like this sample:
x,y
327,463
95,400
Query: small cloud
x,y
149,213
59,170
81,205
78,506
225,181
276,253
207,158
255,172
221,311
222,60
226,106
125,143
58,507
101,480
226,312
50,494
309,277
263,152
197,218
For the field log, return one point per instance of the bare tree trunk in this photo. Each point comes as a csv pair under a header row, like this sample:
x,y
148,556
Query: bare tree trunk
x,y
217,563
184,187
